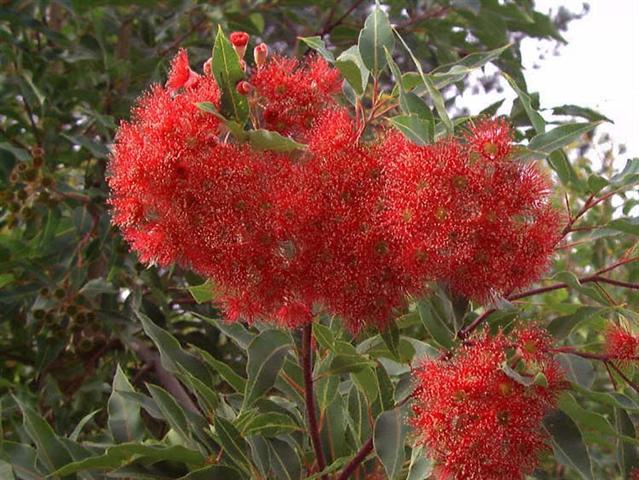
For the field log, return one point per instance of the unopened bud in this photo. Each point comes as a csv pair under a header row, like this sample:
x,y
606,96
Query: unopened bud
x,y
243,87
239,40
243,65
260,53
207,68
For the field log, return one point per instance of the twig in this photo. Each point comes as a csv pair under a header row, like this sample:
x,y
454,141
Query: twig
x,y
356,460
594,278
306,359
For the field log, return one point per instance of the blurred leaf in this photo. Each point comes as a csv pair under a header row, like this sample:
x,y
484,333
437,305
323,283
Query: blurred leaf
x,y
536,119
627,453
204,292
568,444
50,450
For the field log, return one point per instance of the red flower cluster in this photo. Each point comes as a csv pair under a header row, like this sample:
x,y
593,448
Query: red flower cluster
x,y
344,224
620,344
295,92
465,214
476,420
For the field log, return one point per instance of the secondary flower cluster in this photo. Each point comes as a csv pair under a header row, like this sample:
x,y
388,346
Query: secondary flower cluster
x,y
347,225
477,420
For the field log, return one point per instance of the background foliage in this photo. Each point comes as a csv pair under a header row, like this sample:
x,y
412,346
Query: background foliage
x,y
75,303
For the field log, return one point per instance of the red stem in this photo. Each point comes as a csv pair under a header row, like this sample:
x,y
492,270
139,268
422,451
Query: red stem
x,y
306,358
357,460
594,278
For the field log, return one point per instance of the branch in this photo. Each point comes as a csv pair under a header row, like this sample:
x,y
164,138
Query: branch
x,y
357,460
328,28
594,278
306,359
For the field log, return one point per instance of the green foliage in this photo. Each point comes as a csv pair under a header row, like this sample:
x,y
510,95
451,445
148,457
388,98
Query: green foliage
x,y
112,368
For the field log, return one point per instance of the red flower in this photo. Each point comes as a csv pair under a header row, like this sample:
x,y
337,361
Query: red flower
x,y
295,92
620,343
476,421
181,74
486,227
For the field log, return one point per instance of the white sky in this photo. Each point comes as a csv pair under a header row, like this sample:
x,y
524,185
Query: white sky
x,y
599,68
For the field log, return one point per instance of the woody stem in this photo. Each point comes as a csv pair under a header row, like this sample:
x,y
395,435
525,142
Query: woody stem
x,y
306,359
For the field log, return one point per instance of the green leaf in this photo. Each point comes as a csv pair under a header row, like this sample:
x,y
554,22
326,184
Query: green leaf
x,y
388,440
544,144
269,425
390,335
267,140
285,460
227,373
82,423
203,293
234,127
563,326
235,447
6,279
584,418
438,100
352,68
316,43
435,324
213,472
23,459
589,290
577,111
417,130
536,119
6,471
627,454
596,183
420,466
125,423
20,153
349,361
568,445
375,35
228,72
50,450
625,225
120,455
578,370
450,73
171,353
265,358
172,413
324,336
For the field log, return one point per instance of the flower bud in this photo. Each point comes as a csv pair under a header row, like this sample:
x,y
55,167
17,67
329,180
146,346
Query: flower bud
x,y
243,87
207,68
260,53
239,40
